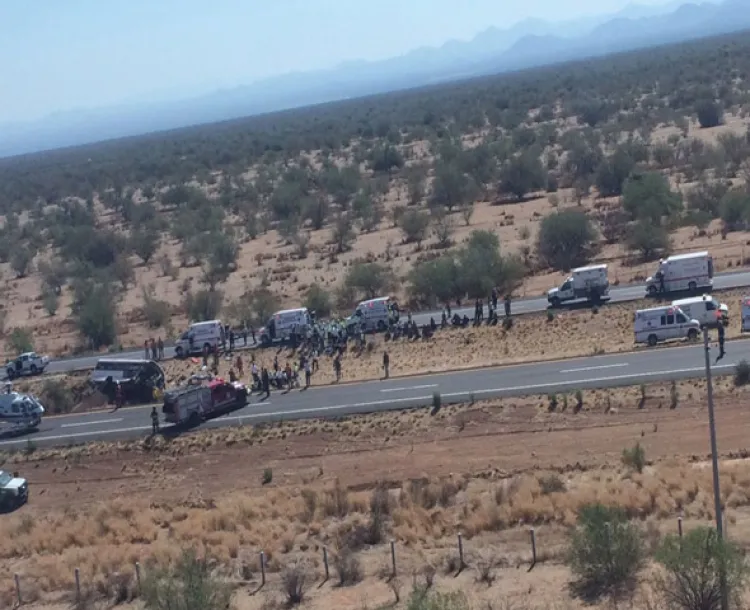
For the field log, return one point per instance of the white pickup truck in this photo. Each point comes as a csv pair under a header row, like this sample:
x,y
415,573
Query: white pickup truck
x,y
26,364
14,491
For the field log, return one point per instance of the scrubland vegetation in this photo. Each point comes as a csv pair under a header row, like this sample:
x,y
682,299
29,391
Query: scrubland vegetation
x,y
618,159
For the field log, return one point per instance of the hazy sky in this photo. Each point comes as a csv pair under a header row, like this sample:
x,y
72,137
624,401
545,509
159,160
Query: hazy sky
x,y
58,55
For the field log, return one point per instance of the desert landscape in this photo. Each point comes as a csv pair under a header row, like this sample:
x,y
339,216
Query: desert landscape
x,y
433,196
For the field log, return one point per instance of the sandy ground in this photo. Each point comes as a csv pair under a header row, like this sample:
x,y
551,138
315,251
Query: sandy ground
x,y
489,470
267,256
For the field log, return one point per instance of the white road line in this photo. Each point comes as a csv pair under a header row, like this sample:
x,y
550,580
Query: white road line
x,y
594,368
414,387
92,423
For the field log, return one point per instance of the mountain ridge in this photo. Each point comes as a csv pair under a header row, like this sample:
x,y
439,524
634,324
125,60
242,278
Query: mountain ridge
x,y
530,43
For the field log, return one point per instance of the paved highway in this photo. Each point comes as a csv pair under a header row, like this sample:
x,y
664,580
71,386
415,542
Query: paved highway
x,y
723,281
646,365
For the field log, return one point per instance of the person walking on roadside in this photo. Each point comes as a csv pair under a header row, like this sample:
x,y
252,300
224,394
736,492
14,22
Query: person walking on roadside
x,y
506,302
720,328
160,348
337,367
265,382
145,348
154,421
240,366
118,396
386,365
154,352
308,373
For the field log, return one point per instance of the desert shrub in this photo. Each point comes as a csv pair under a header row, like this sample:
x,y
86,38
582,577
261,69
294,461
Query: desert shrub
x,y
50,300
318,299
709,113
424,599
413,225
336,501
95,313
605,552
693,570
370,279
742,373
157,312
188,585
294,580
634,458
21,340
267,476
380,508
551,483
348,568
56,396
203,304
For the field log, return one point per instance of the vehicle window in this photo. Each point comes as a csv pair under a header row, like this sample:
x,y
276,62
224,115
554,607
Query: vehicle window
x,y
5,478
14,409
710,306
664,320
681,318
670,318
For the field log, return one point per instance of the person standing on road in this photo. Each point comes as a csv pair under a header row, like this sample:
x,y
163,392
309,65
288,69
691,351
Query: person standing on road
x,y
145,348
118,396
154,421
386,365
337,367
720,328
160,348
265,382
506,302
308,373
240,366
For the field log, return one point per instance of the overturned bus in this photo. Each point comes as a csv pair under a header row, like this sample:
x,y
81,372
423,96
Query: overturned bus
x,y
140,379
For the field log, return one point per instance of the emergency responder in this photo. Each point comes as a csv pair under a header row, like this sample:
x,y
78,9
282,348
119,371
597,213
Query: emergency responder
x,y
154,421
265,382
720,328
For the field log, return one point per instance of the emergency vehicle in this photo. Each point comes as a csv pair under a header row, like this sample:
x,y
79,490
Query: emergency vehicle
x,y
201,399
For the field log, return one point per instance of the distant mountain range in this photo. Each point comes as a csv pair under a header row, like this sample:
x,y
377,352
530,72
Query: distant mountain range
x,y
530,43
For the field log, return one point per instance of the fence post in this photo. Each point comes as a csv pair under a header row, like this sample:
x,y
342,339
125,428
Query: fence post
x,y
533,546
17,578
325,562
461,564
262,569
138,576
679,526
78,585
393,558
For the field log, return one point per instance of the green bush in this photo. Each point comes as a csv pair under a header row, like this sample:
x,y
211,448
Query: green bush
x,y
21,340
634,458
693,570
57,397
605,552
188,585
423,599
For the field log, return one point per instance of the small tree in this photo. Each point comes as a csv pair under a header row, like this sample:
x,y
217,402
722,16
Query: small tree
x,y
96,316
694,566
318,299
710,114
50,300
435,281
648,239
649,197
342,233
203,304
145,243
414,224
522,174
20,260
370,279
443,228
221,259
605,552
565,239
21,340
263,304
189,585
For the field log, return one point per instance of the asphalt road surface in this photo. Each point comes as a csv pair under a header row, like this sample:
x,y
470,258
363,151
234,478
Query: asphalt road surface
x,y
723,281
647,365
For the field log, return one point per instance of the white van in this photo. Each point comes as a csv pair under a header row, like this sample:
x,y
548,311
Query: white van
x,y
281,324
664,323
706,309
201,334
374,314
692,271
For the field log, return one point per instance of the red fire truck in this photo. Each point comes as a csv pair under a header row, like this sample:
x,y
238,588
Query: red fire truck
x,y
202,399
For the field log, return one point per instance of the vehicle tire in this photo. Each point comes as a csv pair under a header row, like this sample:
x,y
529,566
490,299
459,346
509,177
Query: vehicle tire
x,y
692,286
555,302
179,353
33,369
692,335
11,373
652,290
381,326
652,340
